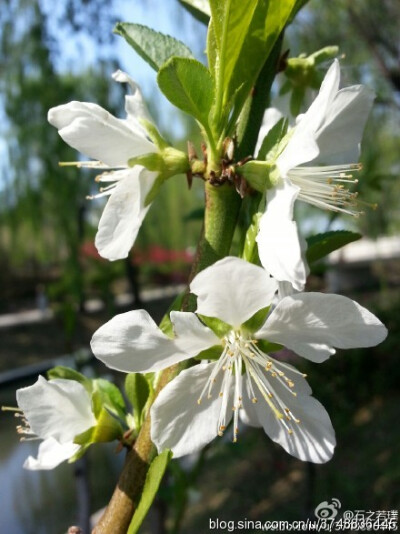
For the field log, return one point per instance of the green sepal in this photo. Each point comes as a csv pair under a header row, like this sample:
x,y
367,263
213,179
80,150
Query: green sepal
x,y
261,175
212,353
250,252
166,325
154,134
69,374
321,245
257,320
296,100
151,195
152,483
167,163
267,347
79,453
154,47
188,85
107,428
107,395
220,328
151,160
271,142
324,54
137,390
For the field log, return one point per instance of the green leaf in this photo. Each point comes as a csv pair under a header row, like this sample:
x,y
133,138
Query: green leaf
x,y
152,483
220,328
245,33
188,84
211,49
154,47
137,390
200,9
321,245
68,374
271,141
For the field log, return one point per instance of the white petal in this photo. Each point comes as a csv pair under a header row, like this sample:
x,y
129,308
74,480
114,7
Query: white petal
x,y
135,105
50,454
96,133
232,290
279,244
124,213
311,324
192,336
302,146
339,135
285,289
178,422
133,343
313,438
57,408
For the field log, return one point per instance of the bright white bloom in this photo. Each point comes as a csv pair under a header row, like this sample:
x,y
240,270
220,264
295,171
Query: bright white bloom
x,y
111,142
55,411
327,137
245,381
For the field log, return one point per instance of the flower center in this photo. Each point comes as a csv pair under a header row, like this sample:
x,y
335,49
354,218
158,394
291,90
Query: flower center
x,y
327,187
241,358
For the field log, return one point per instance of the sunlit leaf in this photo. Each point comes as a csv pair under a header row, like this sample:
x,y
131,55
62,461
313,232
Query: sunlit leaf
x,y
321,245
152,483
137,390
187,83
154,47
200,9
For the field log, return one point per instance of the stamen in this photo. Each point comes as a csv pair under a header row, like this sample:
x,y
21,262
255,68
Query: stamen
x,y
323,187
259,370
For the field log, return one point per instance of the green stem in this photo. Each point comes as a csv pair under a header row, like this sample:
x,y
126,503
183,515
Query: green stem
x,y
222,208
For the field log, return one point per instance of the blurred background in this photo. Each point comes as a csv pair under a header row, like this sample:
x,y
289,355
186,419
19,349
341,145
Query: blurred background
x,y
56,290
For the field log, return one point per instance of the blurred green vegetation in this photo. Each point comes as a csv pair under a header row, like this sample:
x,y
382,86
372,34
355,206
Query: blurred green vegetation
x,y
46,222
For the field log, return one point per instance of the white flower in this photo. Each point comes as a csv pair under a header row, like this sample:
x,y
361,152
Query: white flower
x,y
55,411
245,381
327,137
112,142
